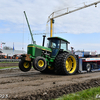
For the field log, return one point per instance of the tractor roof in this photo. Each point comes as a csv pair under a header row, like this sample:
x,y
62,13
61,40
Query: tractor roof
x,y
59,38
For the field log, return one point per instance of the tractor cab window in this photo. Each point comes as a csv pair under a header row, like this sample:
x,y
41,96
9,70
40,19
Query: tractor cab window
x,y
64,45
54,43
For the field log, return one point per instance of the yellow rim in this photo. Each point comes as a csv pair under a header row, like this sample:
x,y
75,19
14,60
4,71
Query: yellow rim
x,y
71,64
41,63
50,68
26,65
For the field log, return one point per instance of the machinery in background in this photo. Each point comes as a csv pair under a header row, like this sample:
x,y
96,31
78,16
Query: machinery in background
x,y
88,61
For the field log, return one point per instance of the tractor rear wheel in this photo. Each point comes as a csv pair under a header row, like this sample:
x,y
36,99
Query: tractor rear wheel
x,y
39,63
24,66
66,63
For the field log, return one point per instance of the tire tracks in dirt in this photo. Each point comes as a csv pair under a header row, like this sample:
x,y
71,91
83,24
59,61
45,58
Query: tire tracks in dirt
x,y
34,85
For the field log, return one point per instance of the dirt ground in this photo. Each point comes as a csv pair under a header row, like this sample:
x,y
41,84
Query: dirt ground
x,y
34,85
8,64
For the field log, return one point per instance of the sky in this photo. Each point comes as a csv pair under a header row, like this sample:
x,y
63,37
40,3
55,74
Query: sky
x,y
80,28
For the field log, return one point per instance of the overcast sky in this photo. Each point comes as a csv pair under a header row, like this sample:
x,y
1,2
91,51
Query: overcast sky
x,y
82,27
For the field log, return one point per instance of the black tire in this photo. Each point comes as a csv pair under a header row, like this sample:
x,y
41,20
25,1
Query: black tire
x,y
88,67
39,63
34,65
24,66
48,71
66,64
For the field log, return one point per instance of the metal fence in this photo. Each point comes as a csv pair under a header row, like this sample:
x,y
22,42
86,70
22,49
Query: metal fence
x,y
10,60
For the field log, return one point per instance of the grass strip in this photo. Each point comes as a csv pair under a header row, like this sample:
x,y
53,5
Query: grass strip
x,y
9,62
8,67
89,94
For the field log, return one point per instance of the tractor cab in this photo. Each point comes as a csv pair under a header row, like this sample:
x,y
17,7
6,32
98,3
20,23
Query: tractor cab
x,y
56,44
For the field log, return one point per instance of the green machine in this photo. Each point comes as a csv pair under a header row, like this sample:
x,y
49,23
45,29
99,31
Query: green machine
x,y
55,58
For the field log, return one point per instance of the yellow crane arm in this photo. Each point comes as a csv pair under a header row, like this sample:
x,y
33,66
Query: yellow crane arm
x,y
52,16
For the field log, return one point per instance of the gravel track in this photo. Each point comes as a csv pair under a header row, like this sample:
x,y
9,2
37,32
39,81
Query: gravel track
x,y
8,64
34,85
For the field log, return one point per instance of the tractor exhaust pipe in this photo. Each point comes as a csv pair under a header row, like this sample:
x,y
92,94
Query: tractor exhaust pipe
x,y
43,40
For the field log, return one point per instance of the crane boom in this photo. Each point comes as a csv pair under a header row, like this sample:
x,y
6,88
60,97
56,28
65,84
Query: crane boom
x,y
29,27
52,16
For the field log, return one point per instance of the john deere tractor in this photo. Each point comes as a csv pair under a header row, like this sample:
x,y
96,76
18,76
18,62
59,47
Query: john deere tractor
x,y
54,58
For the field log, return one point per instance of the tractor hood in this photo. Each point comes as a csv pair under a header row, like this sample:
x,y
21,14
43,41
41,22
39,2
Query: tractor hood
x,y
40,47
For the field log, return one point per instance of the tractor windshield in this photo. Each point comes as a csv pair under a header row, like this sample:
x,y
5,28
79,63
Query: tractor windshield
x,y
54,43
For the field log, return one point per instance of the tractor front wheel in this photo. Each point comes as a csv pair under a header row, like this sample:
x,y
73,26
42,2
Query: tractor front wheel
x,y
39,63
24,66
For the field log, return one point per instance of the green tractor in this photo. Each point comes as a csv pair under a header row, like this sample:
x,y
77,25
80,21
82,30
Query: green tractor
x,y
52,59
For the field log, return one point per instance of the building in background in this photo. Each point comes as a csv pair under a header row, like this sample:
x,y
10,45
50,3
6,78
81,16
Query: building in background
x,y
10,53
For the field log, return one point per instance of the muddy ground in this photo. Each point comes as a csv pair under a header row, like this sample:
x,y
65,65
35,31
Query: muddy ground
x,y
8,64
34,85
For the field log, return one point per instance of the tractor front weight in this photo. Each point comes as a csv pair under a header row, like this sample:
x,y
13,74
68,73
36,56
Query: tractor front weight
x,y
26,57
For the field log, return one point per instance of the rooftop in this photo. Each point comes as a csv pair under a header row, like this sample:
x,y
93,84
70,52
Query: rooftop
x,y
59,39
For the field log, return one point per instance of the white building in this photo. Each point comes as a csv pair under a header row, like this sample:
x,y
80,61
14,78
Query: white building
x,y
12,52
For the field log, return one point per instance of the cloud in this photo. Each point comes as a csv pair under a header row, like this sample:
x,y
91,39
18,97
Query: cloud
x,y
82,21
38,11
12,19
